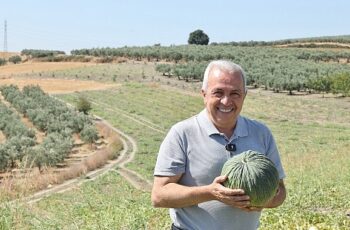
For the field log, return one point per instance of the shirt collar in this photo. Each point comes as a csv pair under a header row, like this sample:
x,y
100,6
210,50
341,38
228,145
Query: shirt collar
x,y
241,129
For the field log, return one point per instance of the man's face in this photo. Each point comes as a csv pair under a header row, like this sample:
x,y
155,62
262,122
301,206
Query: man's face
x,y
224,98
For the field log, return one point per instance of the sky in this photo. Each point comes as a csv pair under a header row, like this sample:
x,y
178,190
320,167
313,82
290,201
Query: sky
x,y
75,24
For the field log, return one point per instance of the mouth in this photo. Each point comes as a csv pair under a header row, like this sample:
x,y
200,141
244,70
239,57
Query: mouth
x,y
228,110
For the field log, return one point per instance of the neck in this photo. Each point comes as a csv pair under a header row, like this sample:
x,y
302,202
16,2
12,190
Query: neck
x,y
228,131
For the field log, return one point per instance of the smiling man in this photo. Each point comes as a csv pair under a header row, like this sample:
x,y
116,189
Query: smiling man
x,y
224,92
187,173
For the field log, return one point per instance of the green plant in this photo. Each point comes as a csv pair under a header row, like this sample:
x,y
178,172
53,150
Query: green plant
x,y
83,105
2,61
15,59
89,134
341,84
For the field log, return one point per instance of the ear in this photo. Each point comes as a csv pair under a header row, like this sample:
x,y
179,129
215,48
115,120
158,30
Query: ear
x,y
204,95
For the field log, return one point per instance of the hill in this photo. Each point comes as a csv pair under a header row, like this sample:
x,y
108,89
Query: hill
x,y
331,42
334,39
8,54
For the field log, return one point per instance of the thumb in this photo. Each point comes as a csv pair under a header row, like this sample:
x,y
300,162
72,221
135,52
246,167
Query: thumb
x,y
220,179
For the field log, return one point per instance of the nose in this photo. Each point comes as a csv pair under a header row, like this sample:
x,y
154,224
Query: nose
x,y
225,100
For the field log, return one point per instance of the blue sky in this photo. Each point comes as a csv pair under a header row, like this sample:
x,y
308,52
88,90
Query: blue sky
x,y
75,24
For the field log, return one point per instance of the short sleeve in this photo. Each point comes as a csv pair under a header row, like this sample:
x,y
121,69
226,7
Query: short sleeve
x,y
171,158
273,154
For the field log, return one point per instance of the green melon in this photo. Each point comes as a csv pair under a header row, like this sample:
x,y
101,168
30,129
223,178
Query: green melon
x,y
255,174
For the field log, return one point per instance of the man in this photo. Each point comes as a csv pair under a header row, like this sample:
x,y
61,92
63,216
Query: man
x,y
187,173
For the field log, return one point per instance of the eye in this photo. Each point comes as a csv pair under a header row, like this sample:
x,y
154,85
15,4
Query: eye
x,y
217,93
235,94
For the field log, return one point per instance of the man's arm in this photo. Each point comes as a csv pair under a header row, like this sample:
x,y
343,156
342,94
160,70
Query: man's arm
x,y
167,193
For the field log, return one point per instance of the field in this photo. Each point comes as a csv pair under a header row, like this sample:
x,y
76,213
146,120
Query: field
x,y
312,133
58,86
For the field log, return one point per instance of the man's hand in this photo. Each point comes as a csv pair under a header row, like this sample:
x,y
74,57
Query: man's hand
x,y
233,197
253,209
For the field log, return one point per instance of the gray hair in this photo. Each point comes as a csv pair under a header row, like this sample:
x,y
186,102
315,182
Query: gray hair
x,y
225,66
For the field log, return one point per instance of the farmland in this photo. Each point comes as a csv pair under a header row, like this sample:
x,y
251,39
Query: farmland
x,y
312,133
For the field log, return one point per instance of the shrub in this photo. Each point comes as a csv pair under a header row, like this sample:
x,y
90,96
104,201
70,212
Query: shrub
x,y
2,61
89,134
15,59
83,105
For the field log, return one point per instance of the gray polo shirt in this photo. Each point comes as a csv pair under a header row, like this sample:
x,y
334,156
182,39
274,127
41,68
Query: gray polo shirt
x,y
196,149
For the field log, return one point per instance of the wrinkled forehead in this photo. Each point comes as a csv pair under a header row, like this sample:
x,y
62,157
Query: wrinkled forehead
x,y
217,73
225,78
217,70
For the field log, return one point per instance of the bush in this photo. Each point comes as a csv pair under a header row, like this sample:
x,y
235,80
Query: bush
x,y
83,105
4,157
341,84
89,134
2,61
15,59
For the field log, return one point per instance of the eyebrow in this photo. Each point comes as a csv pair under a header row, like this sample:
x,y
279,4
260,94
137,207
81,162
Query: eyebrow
x,y
220,89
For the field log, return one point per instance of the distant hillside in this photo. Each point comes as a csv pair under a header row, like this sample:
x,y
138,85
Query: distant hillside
x,y
340,41
332,39
8,54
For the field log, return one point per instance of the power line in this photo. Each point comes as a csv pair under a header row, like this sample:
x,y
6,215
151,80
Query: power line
x,y
5,37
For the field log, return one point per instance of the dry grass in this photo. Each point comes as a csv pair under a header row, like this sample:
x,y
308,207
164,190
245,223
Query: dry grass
x,y
6,55
57,86
36,67
98,159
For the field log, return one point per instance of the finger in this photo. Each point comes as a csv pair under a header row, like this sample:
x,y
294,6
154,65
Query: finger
x,y
238,191
252,209
235,192
242,204
241,198
220,179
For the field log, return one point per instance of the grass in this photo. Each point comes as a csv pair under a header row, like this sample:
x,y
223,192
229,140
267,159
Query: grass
x,y
107,203
142,101
312,134
128,72
313,139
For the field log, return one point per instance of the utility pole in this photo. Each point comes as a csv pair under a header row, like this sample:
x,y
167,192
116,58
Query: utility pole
x,y
5,37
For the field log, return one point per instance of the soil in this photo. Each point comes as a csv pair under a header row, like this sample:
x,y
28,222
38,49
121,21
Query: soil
x,y
2,138
8,54
36,67
57,86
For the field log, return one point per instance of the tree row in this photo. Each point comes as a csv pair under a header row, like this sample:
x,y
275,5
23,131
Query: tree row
x,y
57,120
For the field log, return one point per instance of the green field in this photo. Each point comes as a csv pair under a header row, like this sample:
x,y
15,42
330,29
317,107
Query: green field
x,y
312,133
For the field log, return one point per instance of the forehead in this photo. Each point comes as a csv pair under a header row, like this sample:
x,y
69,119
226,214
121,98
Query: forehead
x,y
223,78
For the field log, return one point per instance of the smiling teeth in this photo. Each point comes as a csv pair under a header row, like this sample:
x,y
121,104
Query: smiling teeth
x,y
225,110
